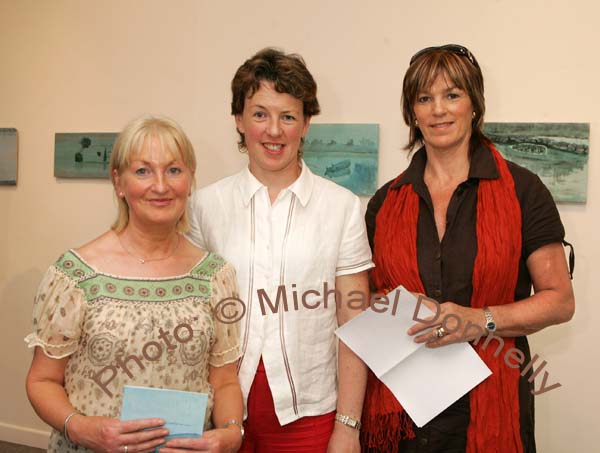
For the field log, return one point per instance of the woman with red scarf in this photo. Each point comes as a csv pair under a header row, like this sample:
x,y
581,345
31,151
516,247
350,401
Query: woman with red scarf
x,y
474,232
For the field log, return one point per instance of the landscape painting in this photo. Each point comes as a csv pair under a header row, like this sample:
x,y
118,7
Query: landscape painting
x,y
83,155
8,157
345,154
556,152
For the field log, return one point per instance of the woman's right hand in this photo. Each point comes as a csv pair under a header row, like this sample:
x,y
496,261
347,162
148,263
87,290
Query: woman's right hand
x,y
107,435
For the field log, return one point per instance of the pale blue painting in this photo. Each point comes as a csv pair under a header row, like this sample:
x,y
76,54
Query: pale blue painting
x,y
345,154
83,155
8,157
556,152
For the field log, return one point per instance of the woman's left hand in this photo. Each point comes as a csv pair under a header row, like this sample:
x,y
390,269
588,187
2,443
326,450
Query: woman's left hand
x,y
224,440
344,440
457,324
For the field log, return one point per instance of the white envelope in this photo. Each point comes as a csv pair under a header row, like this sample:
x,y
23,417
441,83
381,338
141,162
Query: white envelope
x,y
425,381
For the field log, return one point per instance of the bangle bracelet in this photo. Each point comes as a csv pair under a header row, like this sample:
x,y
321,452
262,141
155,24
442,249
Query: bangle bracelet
x,y
67,418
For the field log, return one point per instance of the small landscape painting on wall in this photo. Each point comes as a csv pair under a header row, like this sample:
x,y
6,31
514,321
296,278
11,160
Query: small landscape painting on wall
x,y
8,157
556,152
345,154
83,155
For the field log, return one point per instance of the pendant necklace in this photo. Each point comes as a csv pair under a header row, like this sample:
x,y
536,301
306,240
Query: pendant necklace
x,y
144,261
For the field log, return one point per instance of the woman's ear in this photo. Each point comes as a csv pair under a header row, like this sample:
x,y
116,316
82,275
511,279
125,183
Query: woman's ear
x,y
239,124
116,180
306,126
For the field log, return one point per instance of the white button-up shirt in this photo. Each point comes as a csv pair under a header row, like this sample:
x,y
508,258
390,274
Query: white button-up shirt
x,y
287,256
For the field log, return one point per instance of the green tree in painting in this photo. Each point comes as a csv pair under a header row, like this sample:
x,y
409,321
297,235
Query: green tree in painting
x,y
85,142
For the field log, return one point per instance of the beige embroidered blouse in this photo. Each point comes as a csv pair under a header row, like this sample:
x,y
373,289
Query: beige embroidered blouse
x,y
159,332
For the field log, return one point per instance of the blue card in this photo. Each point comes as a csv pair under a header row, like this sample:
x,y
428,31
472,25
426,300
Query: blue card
x,y
183,412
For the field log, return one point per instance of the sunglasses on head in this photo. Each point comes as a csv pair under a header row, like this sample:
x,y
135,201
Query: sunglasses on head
x,y
454,48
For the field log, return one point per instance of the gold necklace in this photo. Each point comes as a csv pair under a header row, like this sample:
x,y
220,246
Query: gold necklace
x,y
144,261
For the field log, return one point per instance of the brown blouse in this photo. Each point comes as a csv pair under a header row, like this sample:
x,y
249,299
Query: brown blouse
x,y
446,270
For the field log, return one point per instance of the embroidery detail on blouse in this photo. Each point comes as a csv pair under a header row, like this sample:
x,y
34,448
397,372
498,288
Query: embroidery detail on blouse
x,y
70,265
192,351
158,332
97,285
209,266
101,348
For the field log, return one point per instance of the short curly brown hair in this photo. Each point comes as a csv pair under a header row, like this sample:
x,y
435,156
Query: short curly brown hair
x,y
287,72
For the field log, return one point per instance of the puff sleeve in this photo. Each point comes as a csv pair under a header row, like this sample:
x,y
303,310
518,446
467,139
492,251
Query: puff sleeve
x,y
226,346
58,313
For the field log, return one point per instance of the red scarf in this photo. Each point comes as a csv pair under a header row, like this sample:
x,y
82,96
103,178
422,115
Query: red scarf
x,y
494,424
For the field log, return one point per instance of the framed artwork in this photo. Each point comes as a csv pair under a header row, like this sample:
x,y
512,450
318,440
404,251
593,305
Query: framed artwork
x,y
556,152
344,153
8,157
83,155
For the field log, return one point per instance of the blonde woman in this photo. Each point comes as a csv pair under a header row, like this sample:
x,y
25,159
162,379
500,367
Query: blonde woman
x,y
135,307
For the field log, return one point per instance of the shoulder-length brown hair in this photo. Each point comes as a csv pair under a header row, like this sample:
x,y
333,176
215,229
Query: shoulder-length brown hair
x,y
463,71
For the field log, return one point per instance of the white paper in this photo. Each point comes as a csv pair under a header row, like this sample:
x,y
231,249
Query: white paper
x,y
425,381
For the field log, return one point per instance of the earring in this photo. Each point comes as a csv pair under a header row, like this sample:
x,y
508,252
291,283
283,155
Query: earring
x,y
474,115
121,194
416,123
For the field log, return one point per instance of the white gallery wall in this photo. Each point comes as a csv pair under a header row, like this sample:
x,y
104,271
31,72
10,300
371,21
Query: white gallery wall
x,y
82,66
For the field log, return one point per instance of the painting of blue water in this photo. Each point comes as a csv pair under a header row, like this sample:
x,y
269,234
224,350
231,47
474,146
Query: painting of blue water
x,y
83,155
556,152
8,157
344,153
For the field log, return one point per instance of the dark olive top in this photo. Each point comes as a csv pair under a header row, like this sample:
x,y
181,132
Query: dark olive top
x,y
446,270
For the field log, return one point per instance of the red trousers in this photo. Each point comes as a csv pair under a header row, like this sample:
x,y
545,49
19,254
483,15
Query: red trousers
x,y
264,434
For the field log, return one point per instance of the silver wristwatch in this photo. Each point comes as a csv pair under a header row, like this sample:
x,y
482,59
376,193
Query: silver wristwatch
x,y
490,324
348,421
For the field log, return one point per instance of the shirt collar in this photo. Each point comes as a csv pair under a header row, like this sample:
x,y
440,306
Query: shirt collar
x,y
248,185
301,187
482,166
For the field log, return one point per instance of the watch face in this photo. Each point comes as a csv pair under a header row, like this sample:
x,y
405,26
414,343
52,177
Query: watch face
x,y
491,326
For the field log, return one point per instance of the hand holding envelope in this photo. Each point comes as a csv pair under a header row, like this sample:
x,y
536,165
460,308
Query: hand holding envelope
x,y
182,411
425,381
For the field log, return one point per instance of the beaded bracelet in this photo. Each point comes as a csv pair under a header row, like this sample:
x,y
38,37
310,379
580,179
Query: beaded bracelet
x,y
67,418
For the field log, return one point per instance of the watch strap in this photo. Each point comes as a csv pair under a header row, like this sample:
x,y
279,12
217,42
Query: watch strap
x,y
348,421
490,323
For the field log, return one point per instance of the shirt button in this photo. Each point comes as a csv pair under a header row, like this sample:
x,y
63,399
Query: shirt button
x,y
436,293
423,441
438,255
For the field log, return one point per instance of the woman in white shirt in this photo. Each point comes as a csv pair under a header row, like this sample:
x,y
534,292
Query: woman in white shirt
x,y
299,246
